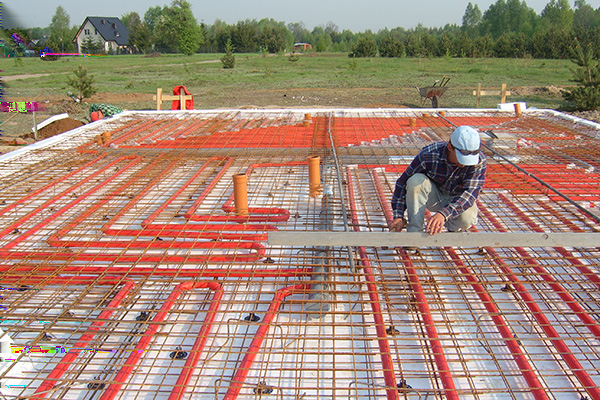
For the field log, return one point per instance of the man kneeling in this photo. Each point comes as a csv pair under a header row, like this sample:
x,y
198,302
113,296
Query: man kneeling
x,y
444,178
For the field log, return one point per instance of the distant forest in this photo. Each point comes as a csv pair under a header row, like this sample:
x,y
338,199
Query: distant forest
x,y
508,28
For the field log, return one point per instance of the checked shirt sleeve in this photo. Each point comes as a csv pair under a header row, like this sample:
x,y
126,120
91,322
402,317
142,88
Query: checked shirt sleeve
x,y
399,197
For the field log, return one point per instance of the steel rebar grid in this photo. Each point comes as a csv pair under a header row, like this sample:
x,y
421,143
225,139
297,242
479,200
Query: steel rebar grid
x,y
335,355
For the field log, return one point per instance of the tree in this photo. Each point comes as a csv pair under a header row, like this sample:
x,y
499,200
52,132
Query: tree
x,y
273,39
508,16
91,46
228,59
391,47
177,28
366,47
585,17
82,82
558,15
60,38
299,31
140,37
471,19
587,74
245,36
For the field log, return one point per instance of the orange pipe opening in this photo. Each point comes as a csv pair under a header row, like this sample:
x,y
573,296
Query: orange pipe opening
x,y
518,110
106,136
240,194
314,176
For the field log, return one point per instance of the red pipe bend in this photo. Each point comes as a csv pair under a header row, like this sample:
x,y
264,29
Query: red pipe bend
x,y
129,365
69,358
239,378
436,346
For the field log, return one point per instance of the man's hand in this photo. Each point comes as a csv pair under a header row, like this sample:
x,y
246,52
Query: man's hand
x,y
397,225
435,224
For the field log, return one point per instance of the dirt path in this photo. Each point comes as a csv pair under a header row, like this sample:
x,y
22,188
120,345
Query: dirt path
x,y
25,76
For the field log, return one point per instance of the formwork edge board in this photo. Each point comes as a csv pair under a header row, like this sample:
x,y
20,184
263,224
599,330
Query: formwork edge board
x,y
460,239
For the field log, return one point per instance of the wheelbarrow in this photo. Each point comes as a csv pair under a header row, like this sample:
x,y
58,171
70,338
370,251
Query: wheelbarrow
x,y
433,92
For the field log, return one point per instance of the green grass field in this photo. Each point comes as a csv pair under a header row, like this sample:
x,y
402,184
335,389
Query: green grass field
x,y
314,80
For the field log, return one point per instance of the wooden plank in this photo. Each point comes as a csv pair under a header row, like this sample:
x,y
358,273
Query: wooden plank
x,y
420,239
160,97
492,93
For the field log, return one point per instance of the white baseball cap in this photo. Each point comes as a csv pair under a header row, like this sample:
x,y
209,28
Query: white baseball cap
x,y
466,142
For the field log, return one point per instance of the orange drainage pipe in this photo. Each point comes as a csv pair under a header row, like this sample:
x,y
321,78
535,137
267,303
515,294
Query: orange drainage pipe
x,y
436,345
267,213
384,346
239,378
563,293
557,342
510,340
69,358
314,176
240,194
150,332
67,207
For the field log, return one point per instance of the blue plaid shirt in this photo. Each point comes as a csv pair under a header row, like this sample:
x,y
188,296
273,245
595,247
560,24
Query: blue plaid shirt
x,y
462,182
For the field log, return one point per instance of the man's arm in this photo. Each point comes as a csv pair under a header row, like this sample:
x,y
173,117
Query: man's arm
x,y
399,196
472,187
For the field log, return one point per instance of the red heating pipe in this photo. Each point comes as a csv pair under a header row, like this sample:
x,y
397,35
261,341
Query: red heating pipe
x,y
149,226
121,258
47,203
133,132
588,273
200,231
515,349
436,345
71,204
178,391
69,358
563,293
147,271
86,214
384,346
55,241
169,128
27,198
193,127
239,378
177,230
268,213
82,148
542,320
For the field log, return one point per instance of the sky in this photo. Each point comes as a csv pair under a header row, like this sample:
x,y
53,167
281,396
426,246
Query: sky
x,y
355,15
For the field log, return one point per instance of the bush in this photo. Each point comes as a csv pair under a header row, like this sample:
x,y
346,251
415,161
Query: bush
x,y
391,47
228,59
366,47
82,82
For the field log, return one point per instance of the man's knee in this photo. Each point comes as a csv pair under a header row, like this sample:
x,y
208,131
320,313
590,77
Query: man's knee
x,y
418,182
464,221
